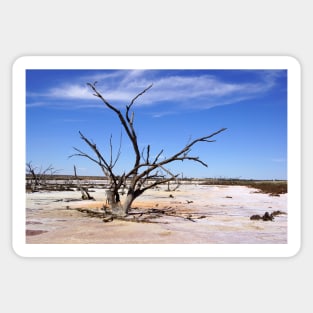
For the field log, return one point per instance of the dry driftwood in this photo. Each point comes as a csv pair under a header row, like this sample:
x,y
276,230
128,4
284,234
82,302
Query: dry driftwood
x,y
139,216
266,216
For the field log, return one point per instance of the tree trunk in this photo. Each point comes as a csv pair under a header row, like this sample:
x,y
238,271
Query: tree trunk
x,y
85,194
131,196
113,201
128,202
119,209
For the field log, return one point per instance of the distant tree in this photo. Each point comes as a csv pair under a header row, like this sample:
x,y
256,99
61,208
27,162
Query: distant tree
x,y
147,171
38,176
84,190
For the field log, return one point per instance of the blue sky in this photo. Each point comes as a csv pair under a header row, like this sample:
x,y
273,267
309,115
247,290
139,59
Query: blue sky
x,y
182,105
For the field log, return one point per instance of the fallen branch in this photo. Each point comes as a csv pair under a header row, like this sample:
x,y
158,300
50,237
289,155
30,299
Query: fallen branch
x,y
139,217
266,216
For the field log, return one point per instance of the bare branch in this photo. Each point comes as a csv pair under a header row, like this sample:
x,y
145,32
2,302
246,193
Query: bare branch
x,y
183,154
83,154
135,98
106,168
196,159
118,153
146,158
97,94
168,171
131,122
127,123
157,157
148,154
111,150
156,183
180,156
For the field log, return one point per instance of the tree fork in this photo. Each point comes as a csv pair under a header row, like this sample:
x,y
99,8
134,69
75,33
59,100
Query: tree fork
x,y
144,170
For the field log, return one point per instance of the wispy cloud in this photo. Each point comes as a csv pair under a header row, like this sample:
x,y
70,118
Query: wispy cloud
x,y
32,104
70,92
162,113
174,88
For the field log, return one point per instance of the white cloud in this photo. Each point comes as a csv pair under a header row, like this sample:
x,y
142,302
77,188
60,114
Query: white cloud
x,y
71,92
200,91
162,113
36,104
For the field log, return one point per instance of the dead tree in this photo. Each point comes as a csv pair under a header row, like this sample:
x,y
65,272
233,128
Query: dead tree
x,y
147,171
38,176
83,190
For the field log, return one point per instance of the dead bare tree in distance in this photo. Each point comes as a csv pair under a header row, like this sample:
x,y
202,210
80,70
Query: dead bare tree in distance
x,y
147,171
83,190
38,176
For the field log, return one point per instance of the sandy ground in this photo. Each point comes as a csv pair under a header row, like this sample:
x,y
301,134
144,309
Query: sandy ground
x,y
225,212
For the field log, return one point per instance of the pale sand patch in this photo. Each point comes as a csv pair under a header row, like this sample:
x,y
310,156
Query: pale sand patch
x,y
226,209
